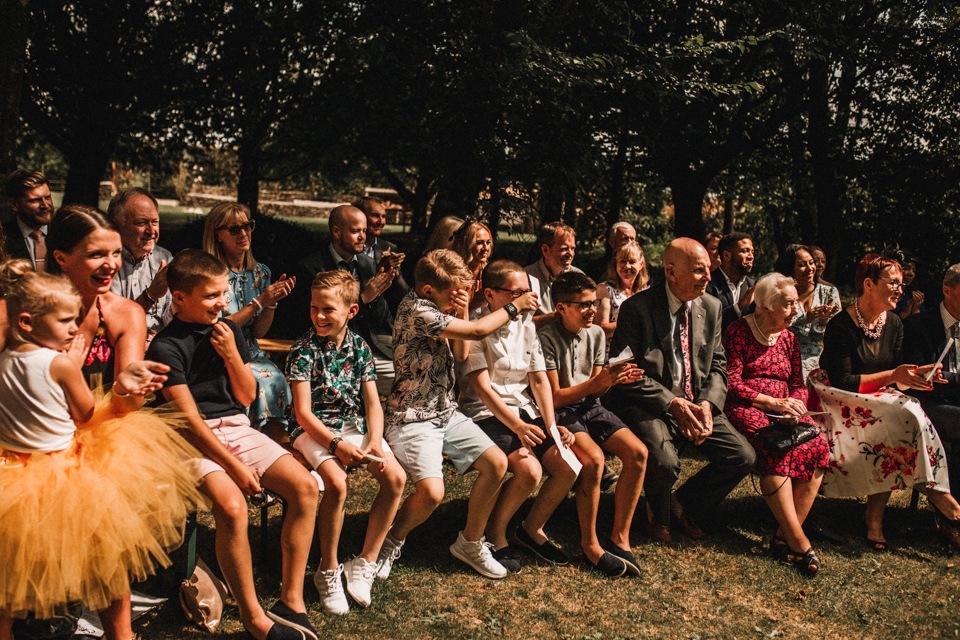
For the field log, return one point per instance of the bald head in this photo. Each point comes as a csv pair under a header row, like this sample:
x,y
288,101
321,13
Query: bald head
x,y
348,227
686,266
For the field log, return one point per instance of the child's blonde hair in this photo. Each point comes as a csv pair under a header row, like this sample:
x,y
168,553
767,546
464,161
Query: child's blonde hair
x,y
37,294
339,281
11,271
442,269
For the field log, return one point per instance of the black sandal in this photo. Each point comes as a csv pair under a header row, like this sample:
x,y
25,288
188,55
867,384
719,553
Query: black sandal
x,y
807,563
780,550
877,546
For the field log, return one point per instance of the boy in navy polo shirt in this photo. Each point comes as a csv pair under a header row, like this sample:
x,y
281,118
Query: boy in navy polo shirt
x,y
211,382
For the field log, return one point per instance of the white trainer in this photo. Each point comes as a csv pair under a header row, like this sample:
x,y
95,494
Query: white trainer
x,y
479,556
359,574
389,553
330,587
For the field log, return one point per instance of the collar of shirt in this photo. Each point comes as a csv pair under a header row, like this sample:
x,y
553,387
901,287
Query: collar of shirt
x,y
337,258
948,320
26,230
672,301
734,286
371,250
128,257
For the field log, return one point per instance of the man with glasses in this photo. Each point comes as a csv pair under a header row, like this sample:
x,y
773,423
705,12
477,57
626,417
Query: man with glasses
x,y
28,195
674,333
143,273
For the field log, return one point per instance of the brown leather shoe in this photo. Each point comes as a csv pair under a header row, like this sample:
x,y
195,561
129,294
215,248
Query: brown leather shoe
x,y
659,532
690,528
947,531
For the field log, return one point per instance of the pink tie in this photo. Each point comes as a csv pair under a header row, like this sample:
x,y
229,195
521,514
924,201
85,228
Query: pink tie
x,y
683,321
39,251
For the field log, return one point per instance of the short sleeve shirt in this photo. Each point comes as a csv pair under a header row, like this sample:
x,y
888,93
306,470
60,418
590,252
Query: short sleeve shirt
x,y
423,390
185,347
335,377
508,354
572,355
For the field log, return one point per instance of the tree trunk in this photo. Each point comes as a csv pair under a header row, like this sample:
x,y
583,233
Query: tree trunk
x,y
618,196
13,42
827,189
688,208
727,215
87,166
248,187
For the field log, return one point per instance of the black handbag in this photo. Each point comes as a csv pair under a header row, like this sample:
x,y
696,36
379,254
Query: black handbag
x,y
781,438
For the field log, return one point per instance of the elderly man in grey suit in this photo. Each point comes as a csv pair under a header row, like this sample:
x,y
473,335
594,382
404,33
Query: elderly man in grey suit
x,y
674,333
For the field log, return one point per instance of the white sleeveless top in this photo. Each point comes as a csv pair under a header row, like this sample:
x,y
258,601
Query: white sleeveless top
x,y
33,408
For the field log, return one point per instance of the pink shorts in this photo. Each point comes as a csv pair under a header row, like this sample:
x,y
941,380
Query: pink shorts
x,y
244,443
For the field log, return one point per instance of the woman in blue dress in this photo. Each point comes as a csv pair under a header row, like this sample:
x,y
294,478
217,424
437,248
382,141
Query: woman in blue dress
x,y
227,234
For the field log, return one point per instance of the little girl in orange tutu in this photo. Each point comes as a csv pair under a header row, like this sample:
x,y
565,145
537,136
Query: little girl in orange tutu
x,y
82,510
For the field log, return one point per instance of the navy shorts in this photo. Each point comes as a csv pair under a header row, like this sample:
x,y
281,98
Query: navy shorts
x,y
590,416
509,442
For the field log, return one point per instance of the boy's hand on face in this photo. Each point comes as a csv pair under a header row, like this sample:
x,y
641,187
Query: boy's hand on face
x,y
460,299
223,341
529,301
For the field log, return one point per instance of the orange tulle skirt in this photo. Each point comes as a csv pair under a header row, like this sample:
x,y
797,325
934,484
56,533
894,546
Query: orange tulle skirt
x,y
80,524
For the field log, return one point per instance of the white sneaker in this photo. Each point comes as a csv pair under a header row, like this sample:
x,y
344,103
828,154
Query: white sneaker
x,y
359,574
389,553
332,598
478,555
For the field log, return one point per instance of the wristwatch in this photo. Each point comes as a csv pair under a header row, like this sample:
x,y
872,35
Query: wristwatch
x,y
334,444
511,310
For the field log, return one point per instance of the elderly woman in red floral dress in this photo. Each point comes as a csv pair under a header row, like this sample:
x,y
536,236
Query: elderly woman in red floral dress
x,y
765,377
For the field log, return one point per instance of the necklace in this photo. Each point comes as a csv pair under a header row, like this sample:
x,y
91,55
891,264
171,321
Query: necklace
x,y
768,340
877,330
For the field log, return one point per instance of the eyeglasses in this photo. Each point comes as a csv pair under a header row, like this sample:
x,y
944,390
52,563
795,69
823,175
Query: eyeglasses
x,y
235,229
584,306
894,284
514,293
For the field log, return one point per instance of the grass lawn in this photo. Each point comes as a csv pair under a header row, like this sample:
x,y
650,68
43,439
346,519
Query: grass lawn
x,y
725,587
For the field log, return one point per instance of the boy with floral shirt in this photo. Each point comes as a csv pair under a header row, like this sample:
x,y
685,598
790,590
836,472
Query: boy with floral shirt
x,y
423,423
337,408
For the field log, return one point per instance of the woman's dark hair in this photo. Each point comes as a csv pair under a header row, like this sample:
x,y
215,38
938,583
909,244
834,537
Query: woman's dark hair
x,y
788,258
70,225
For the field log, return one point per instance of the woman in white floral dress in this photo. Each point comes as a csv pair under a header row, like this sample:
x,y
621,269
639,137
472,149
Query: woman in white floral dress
x,y
880,439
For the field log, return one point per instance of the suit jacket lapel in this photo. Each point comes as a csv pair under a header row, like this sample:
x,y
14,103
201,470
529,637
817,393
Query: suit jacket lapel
x,y
662,328
697,339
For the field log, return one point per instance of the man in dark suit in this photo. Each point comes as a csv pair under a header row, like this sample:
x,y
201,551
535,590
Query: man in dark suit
x,y
731,282
925,334
383,252
348,230
28,195
681,396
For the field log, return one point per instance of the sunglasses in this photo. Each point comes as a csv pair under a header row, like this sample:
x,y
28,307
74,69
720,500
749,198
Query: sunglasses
x,y
235,229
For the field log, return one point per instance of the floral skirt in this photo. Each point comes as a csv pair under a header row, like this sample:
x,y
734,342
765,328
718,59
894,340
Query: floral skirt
x,y
879,441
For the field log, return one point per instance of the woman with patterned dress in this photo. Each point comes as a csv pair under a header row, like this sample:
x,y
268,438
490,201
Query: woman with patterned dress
x,y
227,234
880,439
818,303
764,377
625,276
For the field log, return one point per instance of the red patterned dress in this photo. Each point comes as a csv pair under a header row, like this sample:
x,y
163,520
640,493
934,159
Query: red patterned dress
x,y
754,368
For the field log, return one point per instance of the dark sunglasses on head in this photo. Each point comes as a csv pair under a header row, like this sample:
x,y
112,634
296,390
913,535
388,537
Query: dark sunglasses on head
x,y
235,229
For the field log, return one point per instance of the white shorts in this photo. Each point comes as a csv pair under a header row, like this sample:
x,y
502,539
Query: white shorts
x,y
420,446
316,454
